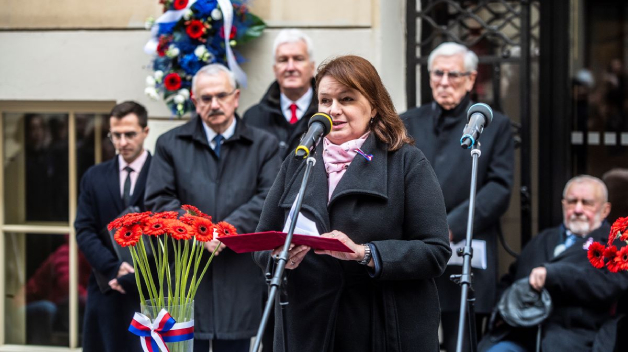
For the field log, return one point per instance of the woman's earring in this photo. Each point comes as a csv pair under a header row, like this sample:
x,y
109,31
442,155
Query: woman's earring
x,y
372,118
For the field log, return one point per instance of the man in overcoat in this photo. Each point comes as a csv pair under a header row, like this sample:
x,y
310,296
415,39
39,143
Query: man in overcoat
x,y
556,259
225,168
437,127
290,101
107,189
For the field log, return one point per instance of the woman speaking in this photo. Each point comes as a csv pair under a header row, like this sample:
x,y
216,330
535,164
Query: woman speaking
x,y
378,195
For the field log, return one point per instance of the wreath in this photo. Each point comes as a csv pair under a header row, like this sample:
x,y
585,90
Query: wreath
x,y
191,34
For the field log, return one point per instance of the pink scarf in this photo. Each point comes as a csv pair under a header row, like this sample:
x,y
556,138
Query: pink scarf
x,y
337,159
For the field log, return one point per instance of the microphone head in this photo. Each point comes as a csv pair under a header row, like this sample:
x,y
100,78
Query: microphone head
x,y
324,119
482,109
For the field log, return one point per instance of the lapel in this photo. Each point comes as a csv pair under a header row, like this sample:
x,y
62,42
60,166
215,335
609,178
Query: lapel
x,y
112,181
315,198
363,176
599,234
140,184
194,130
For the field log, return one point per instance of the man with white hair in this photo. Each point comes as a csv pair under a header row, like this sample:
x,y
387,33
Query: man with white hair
x,y
437,127
556,260
286,107
225,168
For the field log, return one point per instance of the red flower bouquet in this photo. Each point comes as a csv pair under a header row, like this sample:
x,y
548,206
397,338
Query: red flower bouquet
x,y
614,259
185,235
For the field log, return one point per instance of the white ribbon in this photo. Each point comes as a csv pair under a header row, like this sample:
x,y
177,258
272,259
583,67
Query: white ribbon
x,y
154,325
168,16
227,14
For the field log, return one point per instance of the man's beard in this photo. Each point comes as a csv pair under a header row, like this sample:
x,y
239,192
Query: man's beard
x,y
579,225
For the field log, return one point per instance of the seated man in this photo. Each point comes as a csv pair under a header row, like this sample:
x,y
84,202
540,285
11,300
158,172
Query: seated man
x,y
556,259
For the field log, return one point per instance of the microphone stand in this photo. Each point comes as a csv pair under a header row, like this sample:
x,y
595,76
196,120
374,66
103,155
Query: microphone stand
x,y
467,299
279,277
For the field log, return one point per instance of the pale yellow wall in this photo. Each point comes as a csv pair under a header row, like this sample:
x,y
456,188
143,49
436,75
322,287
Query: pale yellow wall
x,y
32,14
94,14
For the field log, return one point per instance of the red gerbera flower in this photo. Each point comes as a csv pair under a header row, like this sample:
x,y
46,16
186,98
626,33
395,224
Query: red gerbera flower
x,y
195,211
224,228
203,229
172,81
128,220
180,231
619,227
232,34
128,235
180,4
166,215
155,227
195,29
596,254
610,253
622,259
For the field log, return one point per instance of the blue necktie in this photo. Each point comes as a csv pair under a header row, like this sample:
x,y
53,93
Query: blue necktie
x,y
570,240
217,140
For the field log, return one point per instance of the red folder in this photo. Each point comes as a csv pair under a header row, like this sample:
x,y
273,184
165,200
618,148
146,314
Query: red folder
x,y
262,241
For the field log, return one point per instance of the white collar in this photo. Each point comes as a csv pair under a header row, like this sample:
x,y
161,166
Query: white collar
x,y
303,103
136,164
211,133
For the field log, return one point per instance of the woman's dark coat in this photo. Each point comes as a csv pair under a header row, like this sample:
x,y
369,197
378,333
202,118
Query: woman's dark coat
x,y
438,136
232,188
393,202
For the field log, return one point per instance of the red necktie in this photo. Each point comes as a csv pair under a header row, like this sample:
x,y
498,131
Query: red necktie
x,y
293,109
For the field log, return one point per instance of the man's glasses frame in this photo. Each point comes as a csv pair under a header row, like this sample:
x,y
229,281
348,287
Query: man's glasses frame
x,y
220,97
586,203
454,76
117,136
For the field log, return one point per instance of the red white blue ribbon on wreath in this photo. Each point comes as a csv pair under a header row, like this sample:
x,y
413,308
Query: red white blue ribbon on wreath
x,y
154,334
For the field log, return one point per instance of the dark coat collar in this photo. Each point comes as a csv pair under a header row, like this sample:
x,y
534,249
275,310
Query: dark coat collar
x,y
599,234
194,130
363,177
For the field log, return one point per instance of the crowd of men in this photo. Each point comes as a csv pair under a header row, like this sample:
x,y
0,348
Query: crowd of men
x,y
224,165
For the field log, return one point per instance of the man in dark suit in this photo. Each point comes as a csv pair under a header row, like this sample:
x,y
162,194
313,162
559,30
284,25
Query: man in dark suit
x,y
224,167
437,127
556,260
290,101
107,189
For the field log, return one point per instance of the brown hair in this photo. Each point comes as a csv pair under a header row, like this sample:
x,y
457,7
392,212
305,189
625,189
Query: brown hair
x,y
357,73
130,107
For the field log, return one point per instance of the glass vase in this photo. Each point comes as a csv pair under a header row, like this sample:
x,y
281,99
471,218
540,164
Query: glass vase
x,y
182,313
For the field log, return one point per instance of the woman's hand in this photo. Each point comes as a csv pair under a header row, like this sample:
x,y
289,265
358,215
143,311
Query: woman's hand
x,y
358,249
295,255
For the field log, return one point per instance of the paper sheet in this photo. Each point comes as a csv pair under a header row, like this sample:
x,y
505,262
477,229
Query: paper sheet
x,y
304,225
479,254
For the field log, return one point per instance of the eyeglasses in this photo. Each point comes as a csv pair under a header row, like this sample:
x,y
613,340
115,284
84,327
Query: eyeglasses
x,y
117,136
454,76
220,97
586,203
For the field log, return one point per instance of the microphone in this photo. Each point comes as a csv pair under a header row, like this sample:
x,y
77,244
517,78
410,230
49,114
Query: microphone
x,y
479,116
319,126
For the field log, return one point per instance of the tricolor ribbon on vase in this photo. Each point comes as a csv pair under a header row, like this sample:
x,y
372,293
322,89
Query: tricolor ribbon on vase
x,y
154,335
175,15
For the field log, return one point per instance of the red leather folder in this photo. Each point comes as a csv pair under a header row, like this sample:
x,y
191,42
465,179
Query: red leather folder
x,y
262,241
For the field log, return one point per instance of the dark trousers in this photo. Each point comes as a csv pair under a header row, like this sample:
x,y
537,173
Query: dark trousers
x,y
243,345
449,320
